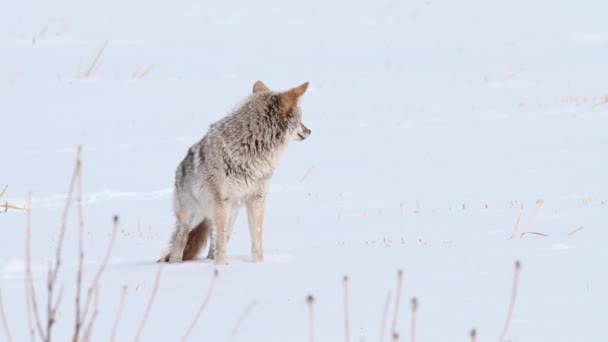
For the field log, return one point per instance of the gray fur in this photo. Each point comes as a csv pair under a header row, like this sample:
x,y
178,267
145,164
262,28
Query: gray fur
x,y
232,165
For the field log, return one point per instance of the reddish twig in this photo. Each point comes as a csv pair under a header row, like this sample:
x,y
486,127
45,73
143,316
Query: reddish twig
x,y
119,313
241,319
88,332
202,307
30,290
150,302
7,331
387,303
505,328
346,311
96,279
78,323
397,300
414,311
311,317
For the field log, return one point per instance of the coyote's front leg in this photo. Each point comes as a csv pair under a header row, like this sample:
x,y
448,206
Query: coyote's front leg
x,y
255,214
220,222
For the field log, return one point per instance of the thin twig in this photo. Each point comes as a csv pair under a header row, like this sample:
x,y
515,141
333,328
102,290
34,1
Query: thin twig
x,y
150,302
311,317
88,332
505,328
346,311
78,323
91,68
397,300
3,191
307,174
576,231
414,311
241,319
28,270
601,103
539,204
387,303
521,211
202,307
28,281
7,331
100,271
119,313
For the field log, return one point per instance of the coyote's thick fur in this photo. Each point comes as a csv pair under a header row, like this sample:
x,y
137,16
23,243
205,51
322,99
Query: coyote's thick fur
x,y
229,167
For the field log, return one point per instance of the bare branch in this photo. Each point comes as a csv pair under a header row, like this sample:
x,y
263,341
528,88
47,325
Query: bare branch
x,y
78,317
385,315
241,319
346,311
311,317
31,296
505,328
119,312
7,331
202,307
150,302
397,300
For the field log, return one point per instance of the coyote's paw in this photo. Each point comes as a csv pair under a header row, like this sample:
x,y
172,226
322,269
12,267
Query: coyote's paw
x,y
258,258
175,258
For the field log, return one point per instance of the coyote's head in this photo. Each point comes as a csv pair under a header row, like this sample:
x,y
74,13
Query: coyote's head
x,y
288,109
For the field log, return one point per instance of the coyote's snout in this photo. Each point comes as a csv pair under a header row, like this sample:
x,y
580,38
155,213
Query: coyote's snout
x,y
231,167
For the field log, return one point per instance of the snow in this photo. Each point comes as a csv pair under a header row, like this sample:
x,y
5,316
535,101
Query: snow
x,y
432,123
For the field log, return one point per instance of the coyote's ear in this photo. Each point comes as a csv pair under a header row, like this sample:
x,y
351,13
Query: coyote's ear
x,y
290,98
259,86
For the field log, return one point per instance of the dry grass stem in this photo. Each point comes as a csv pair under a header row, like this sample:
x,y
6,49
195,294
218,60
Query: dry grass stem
x,y
601,103
95,284
414,311
387,303
30,290
8,206
307,174
346,310
311,317
93,65
397,300
7,331
473,335
79,322
514,233
576,231
119,313
244,315
202,307
28,281
539,204
88,332
140,329
534,233
505,328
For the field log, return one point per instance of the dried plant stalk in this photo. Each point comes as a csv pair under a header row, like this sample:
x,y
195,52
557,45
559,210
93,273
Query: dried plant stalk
x,y
202,307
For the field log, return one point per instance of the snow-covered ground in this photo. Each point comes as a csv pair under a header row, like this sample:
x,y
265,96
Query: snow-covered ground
x,y
432,123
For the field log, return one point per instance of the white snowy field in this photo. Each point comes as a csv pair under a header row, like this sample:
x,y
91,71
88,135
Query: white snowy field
x,y
432,123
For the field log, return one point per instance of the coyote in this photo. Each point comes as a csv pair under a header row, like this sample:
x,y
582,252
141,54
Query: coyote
x,y
229,167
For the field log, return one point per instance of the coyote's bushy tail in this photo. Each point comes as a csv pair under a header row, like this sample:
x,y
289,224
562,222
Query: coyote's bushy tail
x,y
197,239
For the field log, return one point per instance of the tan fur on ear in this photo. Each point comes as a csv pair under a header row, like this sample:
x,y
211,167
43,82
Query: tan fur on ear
x,y
259,86
290,98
